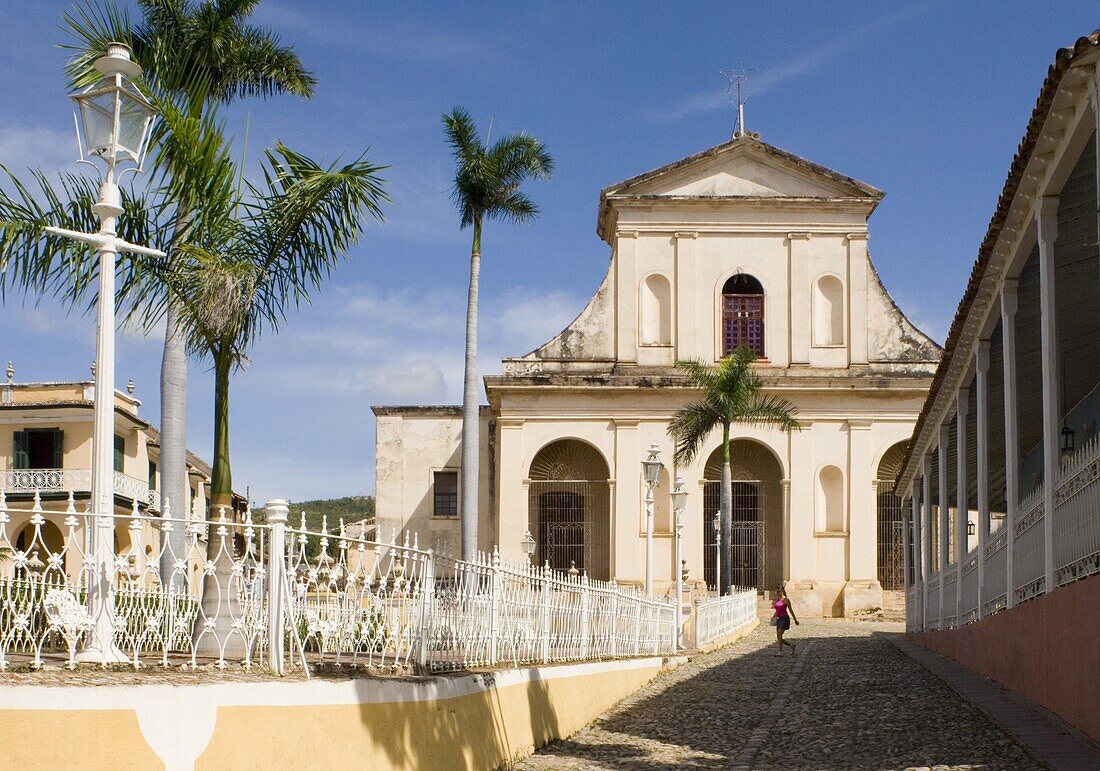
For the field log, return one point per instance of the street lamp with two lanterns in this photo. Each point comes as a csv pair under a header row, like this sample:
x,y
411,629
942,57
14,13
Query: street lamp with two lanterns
x,y
651,473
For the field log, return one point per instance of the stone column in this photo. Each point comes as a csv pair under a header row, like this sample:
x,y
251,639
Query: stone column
x,y
683,333
786,485
1012,430
798,303
981,382
626,296
962,401
856,293
514,517
628,549
862,530
1052,418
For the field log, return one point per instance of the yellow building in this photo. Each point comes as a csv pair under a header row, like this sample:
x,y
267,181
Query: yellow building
x,y
46,462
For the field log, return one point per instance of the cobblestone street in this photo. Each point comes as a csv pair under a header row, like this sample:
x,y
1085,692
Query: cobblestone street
x,y
846,699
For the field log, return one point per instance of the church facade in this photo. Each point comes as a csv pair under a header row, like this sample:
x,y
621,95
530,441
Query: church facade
x,y
742,244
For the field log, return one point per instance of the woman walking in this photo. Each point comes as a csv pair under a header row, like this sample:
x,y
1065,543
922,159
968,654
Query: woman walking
x,y
784,612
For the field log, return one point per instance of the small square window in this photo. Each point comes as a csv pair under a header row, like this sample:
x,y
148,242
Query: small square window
x,y
445,494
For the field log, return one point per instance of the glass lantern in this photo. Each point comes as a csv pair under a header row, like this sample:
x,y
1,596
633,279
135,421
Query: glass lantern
x,y
113,117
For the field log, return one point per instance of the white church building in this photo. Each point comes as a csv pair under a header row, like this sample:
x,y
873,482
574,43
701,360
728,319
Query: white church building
x,y
741,244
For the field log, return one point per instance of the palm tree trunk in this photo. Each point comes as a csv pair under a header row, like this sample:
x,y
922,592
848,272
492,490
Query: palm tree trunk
x,y
221,482
726,517
471,403
174,485
219,590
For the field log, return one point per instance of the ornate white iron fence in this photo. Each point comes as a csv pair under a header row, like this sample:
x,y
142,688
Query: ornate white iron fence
x,y
1077,516
257,593
489,612
719,616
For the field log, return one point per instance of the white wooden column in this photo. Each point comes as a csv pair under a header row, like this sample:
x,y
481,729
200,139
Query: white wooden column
x,y
1012,430
906,542
1047,221
926,502
981,382
944,514
914,543
961,493
918,541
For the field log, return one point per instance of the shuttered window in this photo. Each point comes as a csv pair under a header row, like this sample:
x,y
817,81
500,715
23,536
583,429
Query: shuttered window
x,y
743,315
38,448
120,453
445,494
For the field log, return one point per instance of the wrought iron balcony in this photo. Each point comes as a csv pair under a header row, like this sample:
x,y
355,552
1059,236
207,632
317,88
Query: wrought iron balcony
x,y
74,480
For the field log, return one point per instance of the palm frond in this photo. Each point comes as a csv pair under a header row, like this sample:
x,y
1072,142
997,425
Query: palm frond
x,y
690,427
769,410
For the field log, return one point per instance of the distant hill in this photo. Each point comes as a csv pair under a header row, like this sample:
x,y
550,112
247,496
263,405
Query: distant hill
x,y
352,509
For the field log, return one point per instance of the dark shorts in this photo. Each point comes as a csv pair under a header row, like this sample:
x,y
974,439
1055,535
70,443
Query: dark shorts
x,y
783,622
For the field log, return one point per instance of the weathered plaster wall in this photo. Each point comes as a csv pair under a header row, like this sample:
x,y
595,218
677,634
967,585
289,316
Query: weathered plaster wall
x,y
409,449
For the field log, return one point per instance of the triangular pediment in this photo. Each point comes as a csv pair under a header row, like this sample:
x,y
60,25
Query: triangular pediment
x,y
743,168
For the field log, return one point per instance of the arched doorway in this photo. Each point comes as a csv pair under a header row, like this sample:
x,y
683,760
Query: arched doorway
x,y
888,505
569,508
756,548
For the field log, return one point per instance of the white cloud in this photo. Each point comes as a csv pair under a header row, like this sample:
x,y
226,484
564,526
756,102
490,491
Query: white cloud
x,y
359,31
766,79
408,380
48,149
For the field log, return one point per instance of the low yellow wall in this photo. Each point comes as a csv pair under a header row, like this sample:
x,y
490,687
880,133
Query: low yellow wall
x,y
468,721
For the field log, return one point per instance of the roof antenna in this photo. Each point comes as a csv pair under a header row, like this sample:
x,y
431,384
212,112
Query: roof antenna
x,y
738,79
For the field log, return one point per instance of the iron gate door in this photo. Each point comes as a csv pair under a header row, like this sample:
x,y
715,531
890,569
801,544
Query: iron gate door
x,y
749,544
890,559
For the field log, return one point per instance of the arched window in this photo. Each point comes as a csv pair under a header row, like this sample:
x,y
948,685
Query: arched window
x,y
830,500
828,311
742,314
656,311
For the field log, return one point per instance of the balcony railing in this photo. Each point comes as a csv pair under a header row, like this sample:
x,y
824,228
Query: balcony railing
x,y
1013,566
74,480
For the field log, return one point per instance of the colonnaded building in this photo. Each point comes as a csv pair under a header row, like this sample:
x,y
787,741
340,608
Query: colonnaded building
x,y
741,244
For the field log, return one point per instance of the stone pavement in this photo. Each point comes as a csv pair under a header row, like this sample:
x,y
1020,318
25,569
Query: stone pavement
x,y
846,699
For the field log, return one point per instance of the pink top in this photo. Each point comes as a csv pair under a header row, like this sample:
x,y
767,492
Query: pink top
x,y
780,606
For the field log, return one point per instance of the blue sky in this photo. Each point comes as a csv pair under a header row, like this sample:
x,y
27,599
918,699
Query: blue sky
x,y
925,100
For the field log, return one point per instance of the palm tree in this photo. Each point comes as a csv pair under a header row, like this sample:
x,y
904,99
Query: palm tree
x,y
256,256
200,54
487,186
247,261
732,394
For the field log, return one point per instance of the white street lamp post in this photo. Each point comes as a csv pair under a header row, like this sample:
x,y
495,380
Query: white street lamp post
x,y
528,545
716,523
679,502
651,471
114,118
